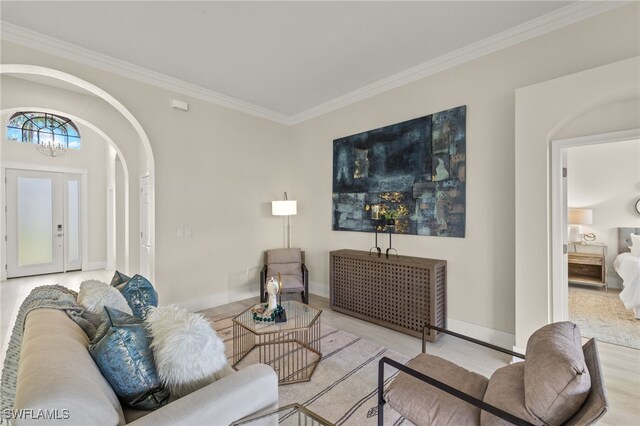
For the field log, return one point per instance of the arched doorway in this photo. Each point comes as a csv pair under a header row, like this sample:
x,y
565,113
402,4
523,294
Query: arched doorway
x,y
147,250
118,152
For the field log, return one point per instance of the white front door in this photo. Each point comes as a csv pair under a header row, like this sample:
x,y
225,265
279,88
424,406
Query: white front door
x,y
35,234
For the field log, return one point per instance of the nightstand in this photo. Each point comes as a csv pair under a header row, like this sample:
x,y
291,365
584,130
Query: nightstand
x,y
588,264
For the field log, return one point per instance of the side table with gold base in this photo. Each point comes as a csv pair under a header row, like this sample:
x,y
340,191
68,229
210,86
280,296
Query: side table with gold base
x,y
291,348
292,414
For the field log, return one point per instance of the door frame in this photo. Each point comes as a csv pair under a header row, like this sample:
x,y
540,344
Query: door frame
x,y
84,214
559,279
145,268
83,219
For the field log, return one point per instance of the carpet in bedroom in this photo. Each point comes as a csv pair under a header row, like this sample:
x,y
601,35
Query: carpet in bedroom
x,y
602,315
343,388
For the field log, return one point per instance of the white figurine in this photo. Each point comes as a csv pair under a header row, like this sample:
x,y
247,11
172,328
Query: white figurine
x,y
273,289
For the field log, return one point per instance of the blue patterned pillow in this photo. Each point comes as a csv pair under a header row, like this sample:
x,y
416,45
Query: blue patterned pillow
x,y
140,295
119,278
121,351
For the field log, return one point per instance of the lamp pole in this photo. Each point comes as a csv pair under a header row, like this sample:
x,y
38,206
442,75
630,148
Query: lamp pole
x,y
288,224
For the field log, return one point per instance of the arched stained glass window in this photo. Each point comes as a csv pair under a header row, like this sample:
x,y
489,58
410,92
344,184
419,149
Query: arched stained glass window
x,y
42,128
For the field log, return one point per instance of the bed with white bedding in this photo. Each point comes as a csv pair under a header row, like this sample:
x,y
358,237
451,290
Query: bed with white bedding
x,y
627,265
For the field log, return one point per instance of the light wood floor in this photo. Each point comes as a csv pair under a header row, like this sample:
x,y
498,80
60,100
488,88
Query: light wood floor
x,y
621,365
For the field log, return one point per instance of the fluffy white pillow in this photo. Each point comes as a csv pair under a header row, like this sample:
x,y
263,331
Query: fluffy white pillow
x,y
187,351
95,295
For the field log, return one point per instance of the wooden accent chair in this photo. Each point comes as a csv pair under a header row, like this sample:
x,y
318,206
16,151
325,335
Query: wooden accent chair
x,y
290,264
560,382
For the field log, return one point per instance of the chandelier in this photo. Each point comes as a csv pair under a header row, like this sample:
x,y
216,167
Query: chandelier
x,y
48,144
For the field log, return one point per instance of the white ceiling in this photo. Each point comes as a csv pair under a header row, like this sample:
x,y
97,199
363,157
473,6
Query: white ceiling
x,y
286,57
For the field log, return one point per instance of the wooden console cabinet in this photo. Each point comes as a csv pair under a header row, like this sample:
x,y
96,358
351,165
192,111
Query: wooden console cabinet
x,y
402,293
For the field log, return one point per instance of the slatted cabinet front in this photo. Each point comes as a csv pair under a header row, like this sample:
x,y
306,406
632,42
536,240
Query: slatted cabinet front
x,y
401,292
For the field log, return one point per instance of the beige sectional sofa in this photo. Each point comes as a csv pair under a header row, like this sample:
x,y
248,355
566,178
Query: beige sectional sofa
x,y
58,376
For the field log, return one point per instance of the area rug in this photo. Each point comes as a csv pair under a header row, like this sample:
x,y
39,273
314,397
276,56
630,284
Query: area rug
x,y
343,388
603,316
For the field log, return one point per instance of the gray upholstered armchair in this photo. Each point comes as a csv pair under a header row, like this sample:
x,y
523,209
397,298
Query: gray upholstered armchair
x,y
560,382
290,264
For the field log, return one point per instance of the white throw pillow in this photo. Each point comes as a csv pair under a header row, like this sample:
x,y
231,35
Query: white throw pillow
x,y
95,295
187,351
635,244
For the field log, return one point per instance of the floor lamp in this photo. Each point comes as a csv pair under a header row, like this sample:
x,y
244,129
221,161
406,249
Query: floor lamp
x,y
285,208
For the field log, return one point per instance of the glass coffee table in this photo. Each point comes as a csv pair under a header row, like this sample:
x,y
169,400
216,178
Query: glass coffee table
x,y
293,414
291,348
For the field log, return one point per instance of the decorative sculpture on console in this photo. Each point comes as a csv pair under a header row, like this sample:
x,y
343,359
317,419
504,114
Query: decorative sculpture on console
x,y
384,218
375,217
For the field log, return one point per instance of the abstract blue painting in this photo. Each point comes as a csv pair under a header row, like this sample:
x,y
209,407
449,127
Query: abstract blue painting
x,y
414,171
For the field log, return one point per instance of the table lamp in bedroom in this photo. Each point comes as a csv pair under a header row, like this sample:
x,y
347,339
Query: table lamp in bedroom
x,y
577,218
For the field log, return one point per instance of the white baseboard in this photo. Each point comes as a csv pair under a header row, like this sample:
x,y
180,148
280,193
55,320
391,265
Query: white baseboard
x,y
318,288
94,266
518,350
486,334
490,335
214,300
91,266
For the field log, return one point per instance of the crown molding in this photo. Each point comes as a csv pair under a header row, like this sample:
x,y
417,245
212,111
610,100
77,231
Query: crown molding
x,y
557,19
38,41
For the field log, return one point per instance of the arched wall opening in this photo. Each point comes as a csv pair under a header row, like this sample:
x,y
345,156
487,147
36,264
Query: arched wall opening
x,y
110,142
574,105
129,140
607,119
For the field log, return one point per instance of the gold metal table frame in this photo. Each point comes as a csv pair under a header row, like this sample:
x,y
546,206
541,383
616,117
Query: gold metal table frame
x,y
292,414
291,348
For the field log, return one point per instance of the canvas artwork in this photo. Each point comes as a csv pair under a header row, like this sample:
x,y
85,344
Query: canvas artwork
x,y
414,171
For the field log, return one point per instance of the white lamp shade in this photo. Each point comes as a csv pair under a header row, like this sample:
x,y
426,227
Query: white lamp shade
x,y
580,216
284,207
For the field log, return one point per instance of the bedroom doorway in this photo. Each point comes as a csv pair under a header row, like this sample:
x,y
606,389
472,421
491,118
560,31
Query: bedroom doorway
x,y
594,187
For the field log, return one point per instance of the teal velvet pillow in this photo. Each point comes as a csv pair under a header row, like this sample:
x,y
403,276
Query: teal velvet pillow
x,y
121,350
119,278
139,294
